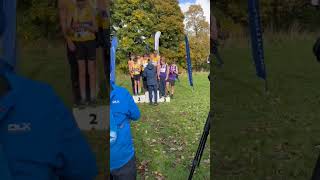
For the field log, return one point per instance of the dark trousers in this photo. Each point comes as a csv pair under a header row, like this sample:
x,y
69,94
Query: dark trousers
x,y
132,85
162,85
127,172
153,88
144,83
74,74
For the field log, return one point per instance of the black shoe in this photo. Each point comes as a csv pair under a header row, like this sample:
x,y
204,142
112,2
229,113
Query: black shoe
x,y
82,104
150,103
155,104
93,102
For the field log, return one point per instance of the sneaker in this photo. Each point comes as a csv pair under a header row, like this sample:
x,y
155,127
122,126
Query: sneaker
x,y
156,104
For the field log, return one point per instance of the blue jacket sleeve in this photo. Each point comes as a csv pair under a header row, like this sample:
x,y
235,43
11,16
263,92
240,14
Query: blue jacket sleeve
x,y
134,112
74,154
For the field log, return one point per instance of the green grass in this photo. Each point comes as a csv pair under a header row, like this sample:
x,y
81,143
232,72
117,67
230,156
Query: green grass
x,y
49,64
177,125
167,136
267,136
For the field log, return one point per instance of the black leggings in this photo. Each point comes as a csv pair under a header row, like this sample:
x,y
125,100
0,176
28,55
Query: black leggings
x,y
74,74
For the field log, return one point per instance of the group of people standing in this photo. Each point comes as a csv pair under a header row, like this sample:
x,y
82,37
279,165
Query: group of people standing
x,y
84,25
151,72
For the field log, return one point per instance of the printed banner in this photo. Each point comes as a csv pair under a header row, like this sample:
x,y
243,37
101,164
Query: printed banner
x,y
256,38
114,46
9,36
189,61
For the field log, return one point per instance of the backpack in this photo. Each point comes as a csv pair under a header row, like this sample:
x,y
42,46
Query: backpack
x,y
316,49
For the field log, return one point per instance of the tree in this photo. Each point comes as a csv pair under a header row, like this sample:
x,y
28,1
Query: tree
x,y
135,22
195,20
198,32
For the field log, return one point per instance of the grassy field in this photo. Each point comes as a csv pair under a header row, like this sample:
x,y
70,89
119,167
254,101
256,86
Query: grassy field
x,y
267,136
166,137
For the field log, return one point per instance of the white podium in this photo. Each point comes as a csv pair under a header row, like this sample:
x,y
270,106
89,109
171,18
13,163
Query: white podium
x,y
91,118
145,98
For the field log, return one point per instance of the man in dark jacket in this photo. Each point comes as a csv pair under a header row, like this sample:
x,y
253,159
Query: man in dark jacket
x,y
151,74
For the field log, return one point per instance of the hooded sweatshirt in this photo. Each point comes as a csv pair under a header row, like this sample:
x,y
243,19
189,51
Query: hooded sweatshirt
x,y
39,138
123,109
151,74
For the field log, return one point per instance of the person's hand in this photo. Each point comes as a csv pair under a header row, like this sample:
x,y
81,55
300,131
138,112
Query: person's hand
x,y
166,79
71,45
158,78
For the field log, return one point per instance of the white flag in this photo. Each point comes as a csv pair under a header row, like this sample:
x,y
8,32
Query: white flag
x,y
156,41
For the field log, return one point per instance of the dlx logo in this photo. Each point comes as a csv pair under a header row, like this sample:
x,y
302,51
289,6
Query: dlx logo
x,y
20,127
115,102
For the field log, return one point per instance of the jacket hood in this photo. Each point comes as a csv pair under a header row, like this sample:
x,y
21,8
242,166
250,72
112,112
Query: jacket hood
x,y
150,65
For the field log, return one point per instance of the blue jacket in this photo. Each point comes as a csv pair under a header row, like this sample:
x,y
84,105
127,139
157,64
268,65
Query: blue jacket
x,y
123,110
150,73
39,136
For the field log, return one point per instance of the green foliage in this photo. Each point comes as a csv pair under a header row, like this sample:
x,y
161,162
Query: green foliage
x,y
135,22
276,15
198,31
37,19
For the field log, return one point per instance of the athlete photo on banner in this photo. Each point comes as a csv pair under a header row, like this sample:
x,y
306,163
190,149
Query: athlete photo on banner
x,y
159,99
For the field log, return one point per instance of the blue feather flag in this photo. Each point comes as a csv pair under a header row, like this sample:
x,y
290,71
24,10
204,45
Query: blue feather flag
x,y
189,64
9,36
256,38
114,45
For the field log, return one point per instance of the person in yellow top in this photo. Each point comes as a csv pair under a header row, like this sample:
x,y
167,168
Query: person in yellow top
x,y
66,10
130,68
82,30
155,57
136,75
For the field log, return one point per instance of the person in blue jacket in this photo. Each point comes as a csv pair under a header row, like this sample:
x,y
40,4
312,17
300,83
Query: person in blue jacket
x,y
150,73
122,154
39,138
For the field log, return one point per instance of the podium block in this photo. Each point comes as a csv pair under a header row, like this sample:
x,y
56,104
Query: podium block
x,y
139,99
145,98
91,118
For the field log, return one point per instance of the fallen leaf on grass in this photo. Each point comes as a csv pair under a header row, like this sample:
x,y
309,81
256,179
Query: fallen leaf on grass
x,y
143,167
158,176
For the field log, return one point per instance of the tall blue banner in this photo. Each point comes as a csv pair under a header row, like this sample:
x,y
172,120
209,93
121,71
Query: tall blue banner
x,y
9,36
189,65
256,38
114,45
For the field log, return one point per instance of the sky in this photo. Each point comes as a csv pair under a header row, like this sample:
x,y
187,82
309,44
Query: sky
x,y
205,4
